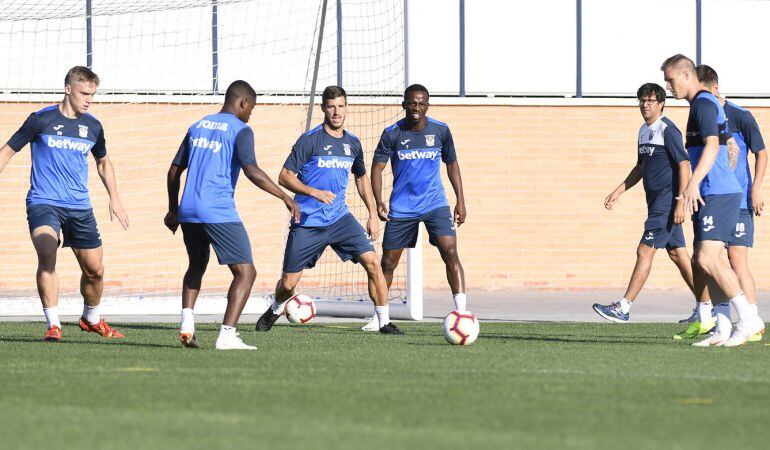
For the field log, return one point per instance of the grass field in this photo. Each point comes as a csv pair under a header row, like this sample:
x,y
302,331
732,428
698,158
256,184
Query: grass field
x,y
521,385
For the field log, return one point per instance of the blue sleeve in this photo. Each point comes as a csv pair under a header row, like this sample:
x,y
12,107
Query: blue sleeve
x,y
448,154
25,135
244,147
672,140
183,154
384,148
751,134
99,150
706,115
359,167
300,155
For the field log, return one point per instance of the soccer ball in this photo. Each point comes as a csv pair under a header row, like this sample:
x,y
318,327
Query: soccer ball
x,y
300,309
461,328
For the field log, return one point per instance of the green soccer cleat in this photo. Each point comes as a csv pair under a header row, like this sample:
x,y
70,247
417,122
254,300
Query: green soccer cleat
x,y
695,329
756,337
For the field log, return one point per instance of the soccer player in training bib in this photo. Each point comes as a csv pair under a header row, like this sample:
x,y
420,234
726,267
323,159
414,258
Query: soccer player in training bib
x,y
416,145
214,151
713,194
746,137
663,166
58,202
317,170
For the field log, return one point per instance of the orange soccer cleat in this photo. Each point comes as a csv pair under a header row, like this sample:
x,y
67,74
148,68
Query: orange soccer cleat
x,y
101,328
188,340
53,334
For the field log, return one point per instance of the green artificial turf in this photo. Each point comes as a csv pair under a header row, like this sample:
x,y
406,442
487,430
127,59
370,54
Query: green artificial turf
x,y
331,386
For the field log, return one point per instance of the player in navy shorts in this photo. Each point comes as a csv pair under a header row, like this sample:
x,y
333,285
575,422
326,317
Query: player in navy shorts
x,y
713,195
214,151
416,146
317,171
58,202
746,137
663,166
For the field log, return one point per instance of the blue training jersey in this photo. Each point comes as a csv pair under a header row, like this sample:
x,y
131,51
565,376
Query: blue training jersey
x,y
60,146
416,157
213,152
707,118
746,133
660,151
325,162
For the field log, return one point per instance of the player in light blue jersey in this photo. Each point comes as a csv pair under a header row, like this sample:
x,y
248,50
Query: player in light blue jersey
x,y
416,146
664,168
214,151
58,202
713,195
746,137
317,170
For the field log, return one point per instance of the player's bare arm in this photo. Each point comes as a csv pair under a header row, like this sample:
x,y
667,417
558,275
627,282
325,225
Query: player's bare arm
x,y
633,177
172,185
6,153
289,180
760,164
691,194
382,207
453,172
679,209
364,187
107,174
732,152
262,181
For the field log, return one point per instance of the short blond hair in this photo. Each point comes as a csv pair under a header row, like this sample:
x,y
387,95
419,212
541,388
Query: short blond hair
x,y
81,73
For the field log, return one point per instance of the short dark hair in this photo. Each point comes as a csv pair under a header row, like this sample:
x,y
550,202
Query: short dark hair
x,y
332,92
678,60
239,89
81,73
648,89
707,75
416,88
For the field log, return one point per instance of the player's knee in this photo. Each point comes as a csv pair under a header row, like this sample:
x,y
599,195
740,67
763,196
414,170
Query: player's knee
x,y
246,272
94,275
287,284
388,265
705,263
450,256
372,265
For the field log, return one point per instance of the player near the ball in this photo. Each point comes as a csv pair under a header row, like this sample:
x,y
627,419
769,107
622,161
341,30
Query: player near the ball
x,y
214,151
416,145
317,171
713,195
664,167
746,137
58,201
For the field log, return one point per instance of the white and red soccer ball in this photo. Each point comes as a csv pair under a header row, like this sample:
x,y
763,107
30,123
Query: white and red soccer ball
x,y
461,328
300,309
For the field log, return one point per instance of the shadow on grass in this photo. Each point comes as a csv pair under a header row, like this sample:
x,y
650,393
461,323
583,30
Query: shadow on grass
x,y
114,342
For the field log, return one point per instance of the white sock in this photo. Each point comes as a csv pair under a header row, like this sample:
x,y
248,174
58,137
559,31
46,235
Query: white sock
x,y
724,321
742,305
460,301
704,312
278,307
226,331
91,313
52,316
188,321
755,307
625,305
383,315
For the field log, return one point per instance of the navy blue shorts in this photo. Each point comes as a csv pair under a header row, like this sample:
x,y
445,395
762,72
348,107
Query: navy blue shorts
x,y
743,236
661,232
402,233
77,225
715,221
305,245
230,242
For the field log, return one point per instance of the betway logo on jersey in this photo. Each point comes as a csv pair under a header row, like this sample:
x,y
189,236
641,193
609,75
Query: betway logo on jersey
x,y
69,144
335,163
646,150
418,154
202,142
211,125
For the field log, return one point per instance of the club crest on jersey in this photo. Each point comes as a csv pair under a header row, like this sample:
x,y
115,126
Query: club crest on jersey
x,y
346,148
430,140
652,134
82,131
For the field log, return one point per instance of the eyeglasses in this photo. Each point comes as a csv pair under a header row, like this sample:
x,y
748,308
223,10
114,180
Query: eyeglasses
x,y
648,102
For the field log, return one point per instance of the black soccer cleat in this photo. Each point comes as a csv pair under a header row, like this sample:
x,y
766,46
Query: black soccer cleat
x,y
390,328
266,320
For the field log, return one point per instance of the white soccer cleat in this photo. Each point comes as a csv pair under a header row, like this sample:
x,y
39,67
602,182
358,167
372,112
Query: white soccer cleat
x,y
372,325
745,330
713,340
232,343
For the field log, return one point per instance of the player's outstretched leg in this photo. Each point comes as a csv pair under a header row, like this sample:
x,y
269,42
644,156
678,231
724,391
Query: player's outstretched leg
x,y
191,286
378,292
738,257
683,262
388,263
455,275
620,311
284,289
46,243
244,275
704,313
91,286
